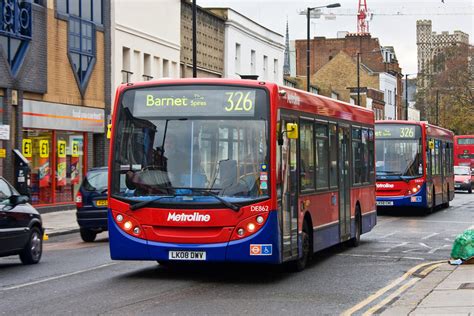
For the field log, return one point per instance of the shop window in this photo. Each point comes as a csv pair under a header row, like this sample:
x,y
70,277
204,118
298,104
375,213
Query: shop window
x,y
37,148
81,49
2,142
57,164
69,165
15,31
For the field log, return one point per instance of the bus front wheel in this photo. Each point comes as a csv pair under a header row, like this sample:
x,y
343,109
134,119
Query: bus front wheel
x,y
300,264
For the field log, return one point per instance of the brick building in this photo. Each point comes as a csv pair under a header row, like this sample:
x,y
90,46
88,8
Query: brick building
x,y
54,92
338,79
209,40
376,57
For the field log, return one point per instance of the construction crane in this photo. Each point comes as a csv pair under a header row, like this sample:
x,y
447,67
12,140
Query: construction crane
x,y
363,18
364,15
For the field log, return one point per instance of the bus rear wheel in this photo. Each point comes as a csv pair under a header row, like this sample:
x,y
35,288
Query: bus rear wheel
x,y
355,241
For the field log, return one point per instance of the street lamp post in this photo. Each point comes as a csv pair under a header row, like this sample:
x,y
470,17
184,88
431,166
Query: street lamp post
x,y
194,40
406,97
308,12
358,78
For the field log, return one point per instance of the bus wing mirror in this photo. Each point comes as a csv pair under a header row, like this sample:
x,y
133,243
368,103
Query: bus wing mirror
x,y
292,130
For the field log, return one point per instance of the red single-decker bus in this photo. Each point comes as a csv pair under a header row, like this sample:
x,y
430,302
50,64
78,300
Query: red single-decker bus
x,y
236,170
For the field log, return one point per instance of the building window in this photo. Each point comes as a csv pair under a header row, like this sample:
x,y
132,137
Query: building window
x,y
89,10
237,58
265,67
275,70
81,49
166,68
15,31
334,95
253,61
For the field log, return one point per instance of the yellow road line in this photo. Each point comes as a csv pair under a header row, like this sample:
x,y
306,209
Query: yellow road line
x,y
399,291
387,288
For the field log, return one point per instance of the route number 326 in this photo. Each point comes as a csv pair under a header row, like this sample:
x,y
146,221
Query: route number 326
x,y
239,101
407,132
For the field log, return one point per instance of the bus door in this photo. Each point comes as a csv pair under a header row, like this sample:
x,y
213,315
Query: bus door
x,y
288,193
344,182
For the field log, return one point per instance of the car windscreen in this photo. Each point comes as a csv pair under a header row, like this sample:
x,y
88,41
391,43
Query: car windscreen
x,y
462,171
96,180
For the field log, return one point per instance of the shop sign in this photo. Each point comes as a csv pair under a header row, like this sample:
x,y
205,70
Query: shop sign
x,y
4,132
61,149
3,153
27,148
43,115
44,148
75,148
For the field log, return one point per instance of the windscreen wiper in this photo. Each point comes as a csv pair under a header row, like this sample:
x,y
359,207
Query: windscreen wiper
x,y
209,192
145,203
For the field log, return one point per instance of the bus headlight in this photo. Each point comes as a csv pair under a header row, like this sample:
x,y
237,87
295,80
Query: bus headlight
x,y
467,181
127,225
119,218
249,226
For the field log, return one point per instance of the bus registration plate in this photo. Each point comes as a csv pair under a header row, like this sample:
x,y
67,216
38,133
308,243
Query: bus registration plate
x,y
384,203
187,255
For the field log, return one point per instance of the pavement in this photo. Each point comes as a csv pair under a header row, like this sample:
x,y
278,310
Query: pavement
x,y
445,290
60,223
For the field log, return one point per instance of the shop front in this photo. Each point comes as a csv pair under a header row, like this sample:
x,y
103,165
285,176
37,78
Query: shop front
x,y
56,142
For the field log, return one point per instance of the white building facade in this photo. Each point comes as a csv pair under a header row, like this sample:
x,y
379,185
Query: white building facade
x,y
145,40
251,49
388,85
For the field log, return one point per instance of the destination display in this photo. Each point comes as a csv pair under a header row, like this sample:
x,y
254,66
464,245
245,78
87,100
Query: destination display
x,y
208,101
397,131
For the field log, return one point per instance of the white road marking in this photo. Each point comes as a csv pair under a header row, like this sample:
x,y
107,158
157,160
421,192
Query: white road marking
x,y
388,235
396,246
429,236
379,256
56,277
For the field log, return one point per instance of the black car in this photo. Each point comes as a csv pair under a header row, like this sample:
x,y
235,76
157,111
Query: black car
x,y
91,203
21,228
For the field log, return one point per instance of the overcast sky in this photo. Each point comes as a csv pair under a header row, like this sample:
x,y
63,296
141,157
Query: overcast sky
x,y
391,29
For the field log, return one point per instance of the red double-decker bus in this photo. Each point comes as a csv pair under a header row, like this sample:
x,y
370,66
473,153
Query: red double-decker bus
x,y
236,170
464,150
414,164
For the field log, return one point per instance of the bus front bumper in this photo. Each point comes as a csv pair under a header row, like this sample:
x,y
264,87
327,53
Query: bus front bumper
x,y
414,200
261,247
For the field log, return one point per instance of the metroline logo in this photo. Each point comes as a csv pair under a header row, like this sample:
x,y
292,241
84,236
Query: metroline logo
x,y
385,186
183,217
